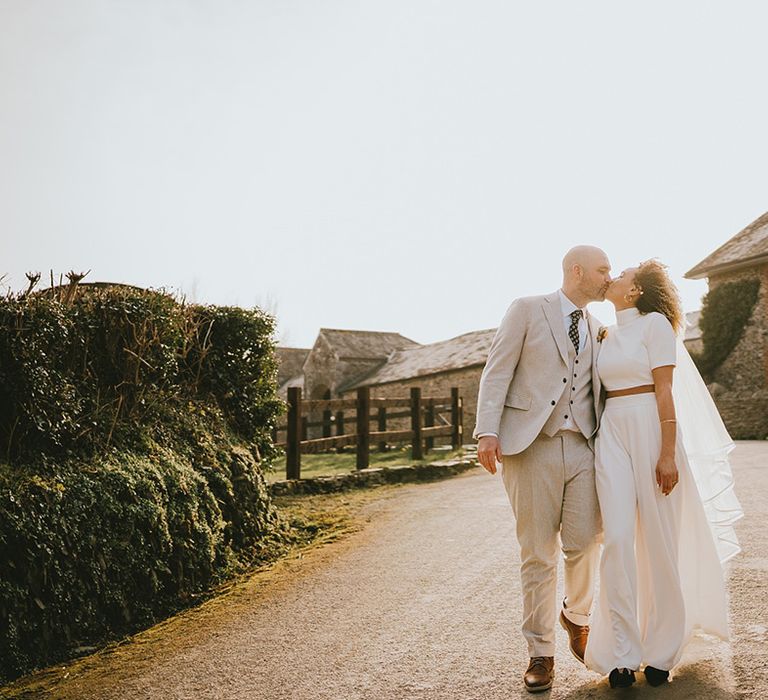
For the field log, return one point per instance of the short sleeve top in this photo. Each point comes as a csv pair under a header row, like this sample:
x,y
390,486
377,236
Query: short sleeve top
x,y
637,344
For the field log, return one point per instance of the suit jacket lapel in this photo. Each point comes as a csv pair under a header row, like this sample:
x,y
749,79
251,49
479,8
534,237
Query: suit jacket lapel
x,y
552,311
594,329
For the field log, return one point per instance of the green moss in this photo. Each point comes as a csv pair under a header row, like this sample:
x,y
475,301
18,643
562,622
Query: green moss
x,y
94,550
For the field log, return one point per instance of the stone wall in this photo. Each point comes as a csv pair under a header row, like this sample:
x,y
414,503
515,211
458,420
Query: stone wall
x,y
325,371
319,369
741,393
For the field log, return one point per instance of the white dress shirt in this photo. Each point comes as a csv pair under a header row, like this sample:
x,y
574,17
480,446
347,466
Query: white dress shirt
x,y
568,307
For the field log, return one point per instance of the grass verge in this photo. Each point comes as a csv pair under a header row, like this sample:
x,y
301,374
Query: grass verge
x,y
344,462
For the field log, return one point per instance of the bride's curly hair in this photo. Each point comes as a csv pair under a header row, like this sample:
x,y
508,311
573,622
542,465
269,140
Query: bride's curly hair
x,y
659,292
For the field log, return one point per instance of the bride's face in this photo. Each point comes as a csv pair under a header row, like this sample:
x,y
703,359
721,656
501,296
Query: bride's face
x,y
622,286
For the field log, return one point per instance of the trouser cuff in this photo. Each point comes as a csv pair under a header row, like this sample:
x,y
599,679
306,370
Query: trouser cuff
x,y
540,649
575,618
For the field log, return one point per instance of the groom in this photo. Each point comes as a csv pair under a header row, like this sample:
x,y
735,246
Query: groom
x,y
537,413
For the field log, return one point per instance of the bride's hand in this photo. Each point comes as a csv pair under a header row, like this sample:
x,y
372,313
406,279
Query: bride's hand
x,y
666,474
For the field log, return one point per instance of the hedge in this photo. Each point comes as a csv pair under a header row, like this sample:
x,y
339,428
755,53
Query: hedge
x,y
726,309
134,432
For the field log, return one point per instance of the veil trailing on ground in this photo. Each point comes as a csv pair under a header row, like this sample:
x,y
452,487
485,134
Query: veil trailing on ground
x,y
707,445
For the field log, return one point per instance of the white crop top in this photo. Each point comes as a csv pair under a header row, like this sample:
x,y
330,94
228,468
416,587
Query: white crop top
x,y
633,347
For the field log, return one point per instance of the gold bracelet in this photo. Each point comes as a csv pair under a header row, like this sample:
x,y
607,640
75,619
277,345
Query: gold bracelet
x,y
669,420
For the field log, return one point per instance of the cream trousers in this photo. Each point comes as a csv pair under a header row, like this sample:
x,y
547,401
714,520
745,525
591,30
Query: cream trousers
x,y
551,486
640,617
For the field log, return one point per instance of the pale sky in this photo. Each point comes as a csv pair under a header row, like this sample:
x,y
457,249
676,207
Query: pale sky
x,y
398,165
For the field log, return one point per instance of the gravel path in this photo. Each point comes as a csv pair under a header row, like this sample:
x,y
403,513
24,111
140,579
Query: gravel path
x,y
422,603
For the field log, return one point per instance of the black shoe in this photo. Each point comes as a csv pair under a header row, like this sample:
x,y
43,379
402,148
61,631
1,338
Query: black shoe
x,y
655,676
621,679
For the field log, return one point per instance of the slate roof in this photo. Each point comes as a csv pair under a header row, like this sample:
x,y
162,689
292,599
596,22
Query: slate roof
x,y
365,345
298,381
466,350
748,245
290,362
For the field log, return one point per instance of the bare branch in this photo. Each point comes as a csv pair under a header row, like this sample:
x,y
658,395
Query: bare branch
x,y
34,278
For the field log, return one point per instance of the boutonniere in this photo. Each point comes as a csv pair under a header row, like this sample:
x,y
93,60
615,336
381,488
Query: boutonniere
x,y
601,333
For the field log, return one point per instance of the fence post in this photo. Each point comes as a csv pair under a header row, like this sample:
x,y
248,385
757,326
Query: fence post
x,y
326,423
339,427
416,452
382,427
363,426
429,421
293,438
457,419
304,428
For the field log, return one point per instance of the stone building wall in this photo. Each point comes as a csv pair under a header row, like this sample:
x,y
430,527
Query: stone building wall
x,y
319,369
466,379
741,393
320,378
325,371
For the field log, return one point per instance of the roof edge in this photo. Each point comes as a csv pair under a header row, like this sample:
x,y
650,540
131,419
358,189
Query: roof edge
x,y
700,271
362,382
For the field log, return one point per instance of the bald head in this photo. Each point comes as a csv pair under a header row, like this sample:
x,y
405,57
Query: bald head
x,y
586,274
584,256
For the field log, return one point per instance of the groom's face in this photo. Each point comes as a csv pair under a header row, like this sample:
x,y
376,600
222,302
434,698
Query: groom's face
x,y
595,277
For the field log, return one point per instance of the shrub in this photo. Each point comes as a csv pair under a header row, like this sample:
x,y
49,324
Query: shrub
x,y
135,430
239,368
725,311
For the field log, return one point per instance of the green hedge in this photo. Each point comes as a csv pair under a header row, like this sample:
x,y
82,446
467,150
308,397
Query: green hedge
x,y
725,311
76,377
134,431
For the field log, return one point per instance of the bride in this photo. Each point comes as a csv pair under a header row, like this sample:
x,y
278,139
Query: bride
x,y
664,487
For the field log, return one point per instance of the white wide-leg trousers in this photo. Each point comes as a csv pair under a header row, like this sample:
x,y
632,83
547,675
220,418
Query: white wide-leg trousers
x,y
551,486
640,616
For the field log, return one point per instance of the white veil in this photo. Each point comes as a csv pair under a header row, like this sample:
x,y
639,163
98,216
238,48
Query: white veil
x,y
707,445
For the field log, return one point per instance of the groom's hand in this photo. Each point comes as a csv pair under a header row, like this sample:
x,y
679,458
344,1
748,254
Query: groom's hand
x,y
489,452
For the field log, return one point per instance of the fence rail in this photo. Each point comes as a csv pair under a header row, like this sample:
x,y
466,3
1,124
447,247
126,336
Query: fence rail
x,y
423,412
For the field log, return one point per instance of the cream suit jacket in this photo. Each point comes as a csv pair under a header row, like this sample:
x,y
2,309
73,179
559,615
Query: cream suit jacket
x,y
523,374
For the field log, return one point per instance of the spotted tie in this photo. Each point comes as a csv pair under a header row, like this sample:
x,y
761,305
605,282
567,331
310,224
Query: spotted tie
x,y
573,331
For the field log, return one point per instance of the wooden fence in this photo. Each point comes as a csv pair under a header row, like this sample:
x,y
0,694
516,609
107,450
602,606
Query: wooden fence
x,y
424,412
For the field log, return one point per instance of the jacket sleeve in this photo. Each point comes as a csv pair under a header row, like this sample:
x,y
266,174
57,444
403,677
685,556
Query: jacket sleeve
x,y
500,367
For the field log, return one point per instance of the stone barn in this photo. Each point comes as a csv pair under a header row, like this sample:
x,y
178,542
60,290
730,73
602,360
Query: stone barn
x,y
341,358
290,372
737,273
457,362
338,359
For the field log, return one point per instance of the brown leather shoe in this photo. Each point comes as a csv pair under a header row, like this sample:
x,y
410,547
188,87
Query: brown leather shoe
x,y
577,636
540,673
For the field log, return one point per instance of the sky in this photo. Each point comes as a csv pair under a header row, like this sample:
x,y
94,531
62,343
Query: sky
x,y
393,165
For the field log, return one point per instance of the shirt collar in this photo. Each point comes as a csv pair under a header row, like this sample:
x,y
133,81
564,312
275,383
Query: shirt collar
x,y
568,306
